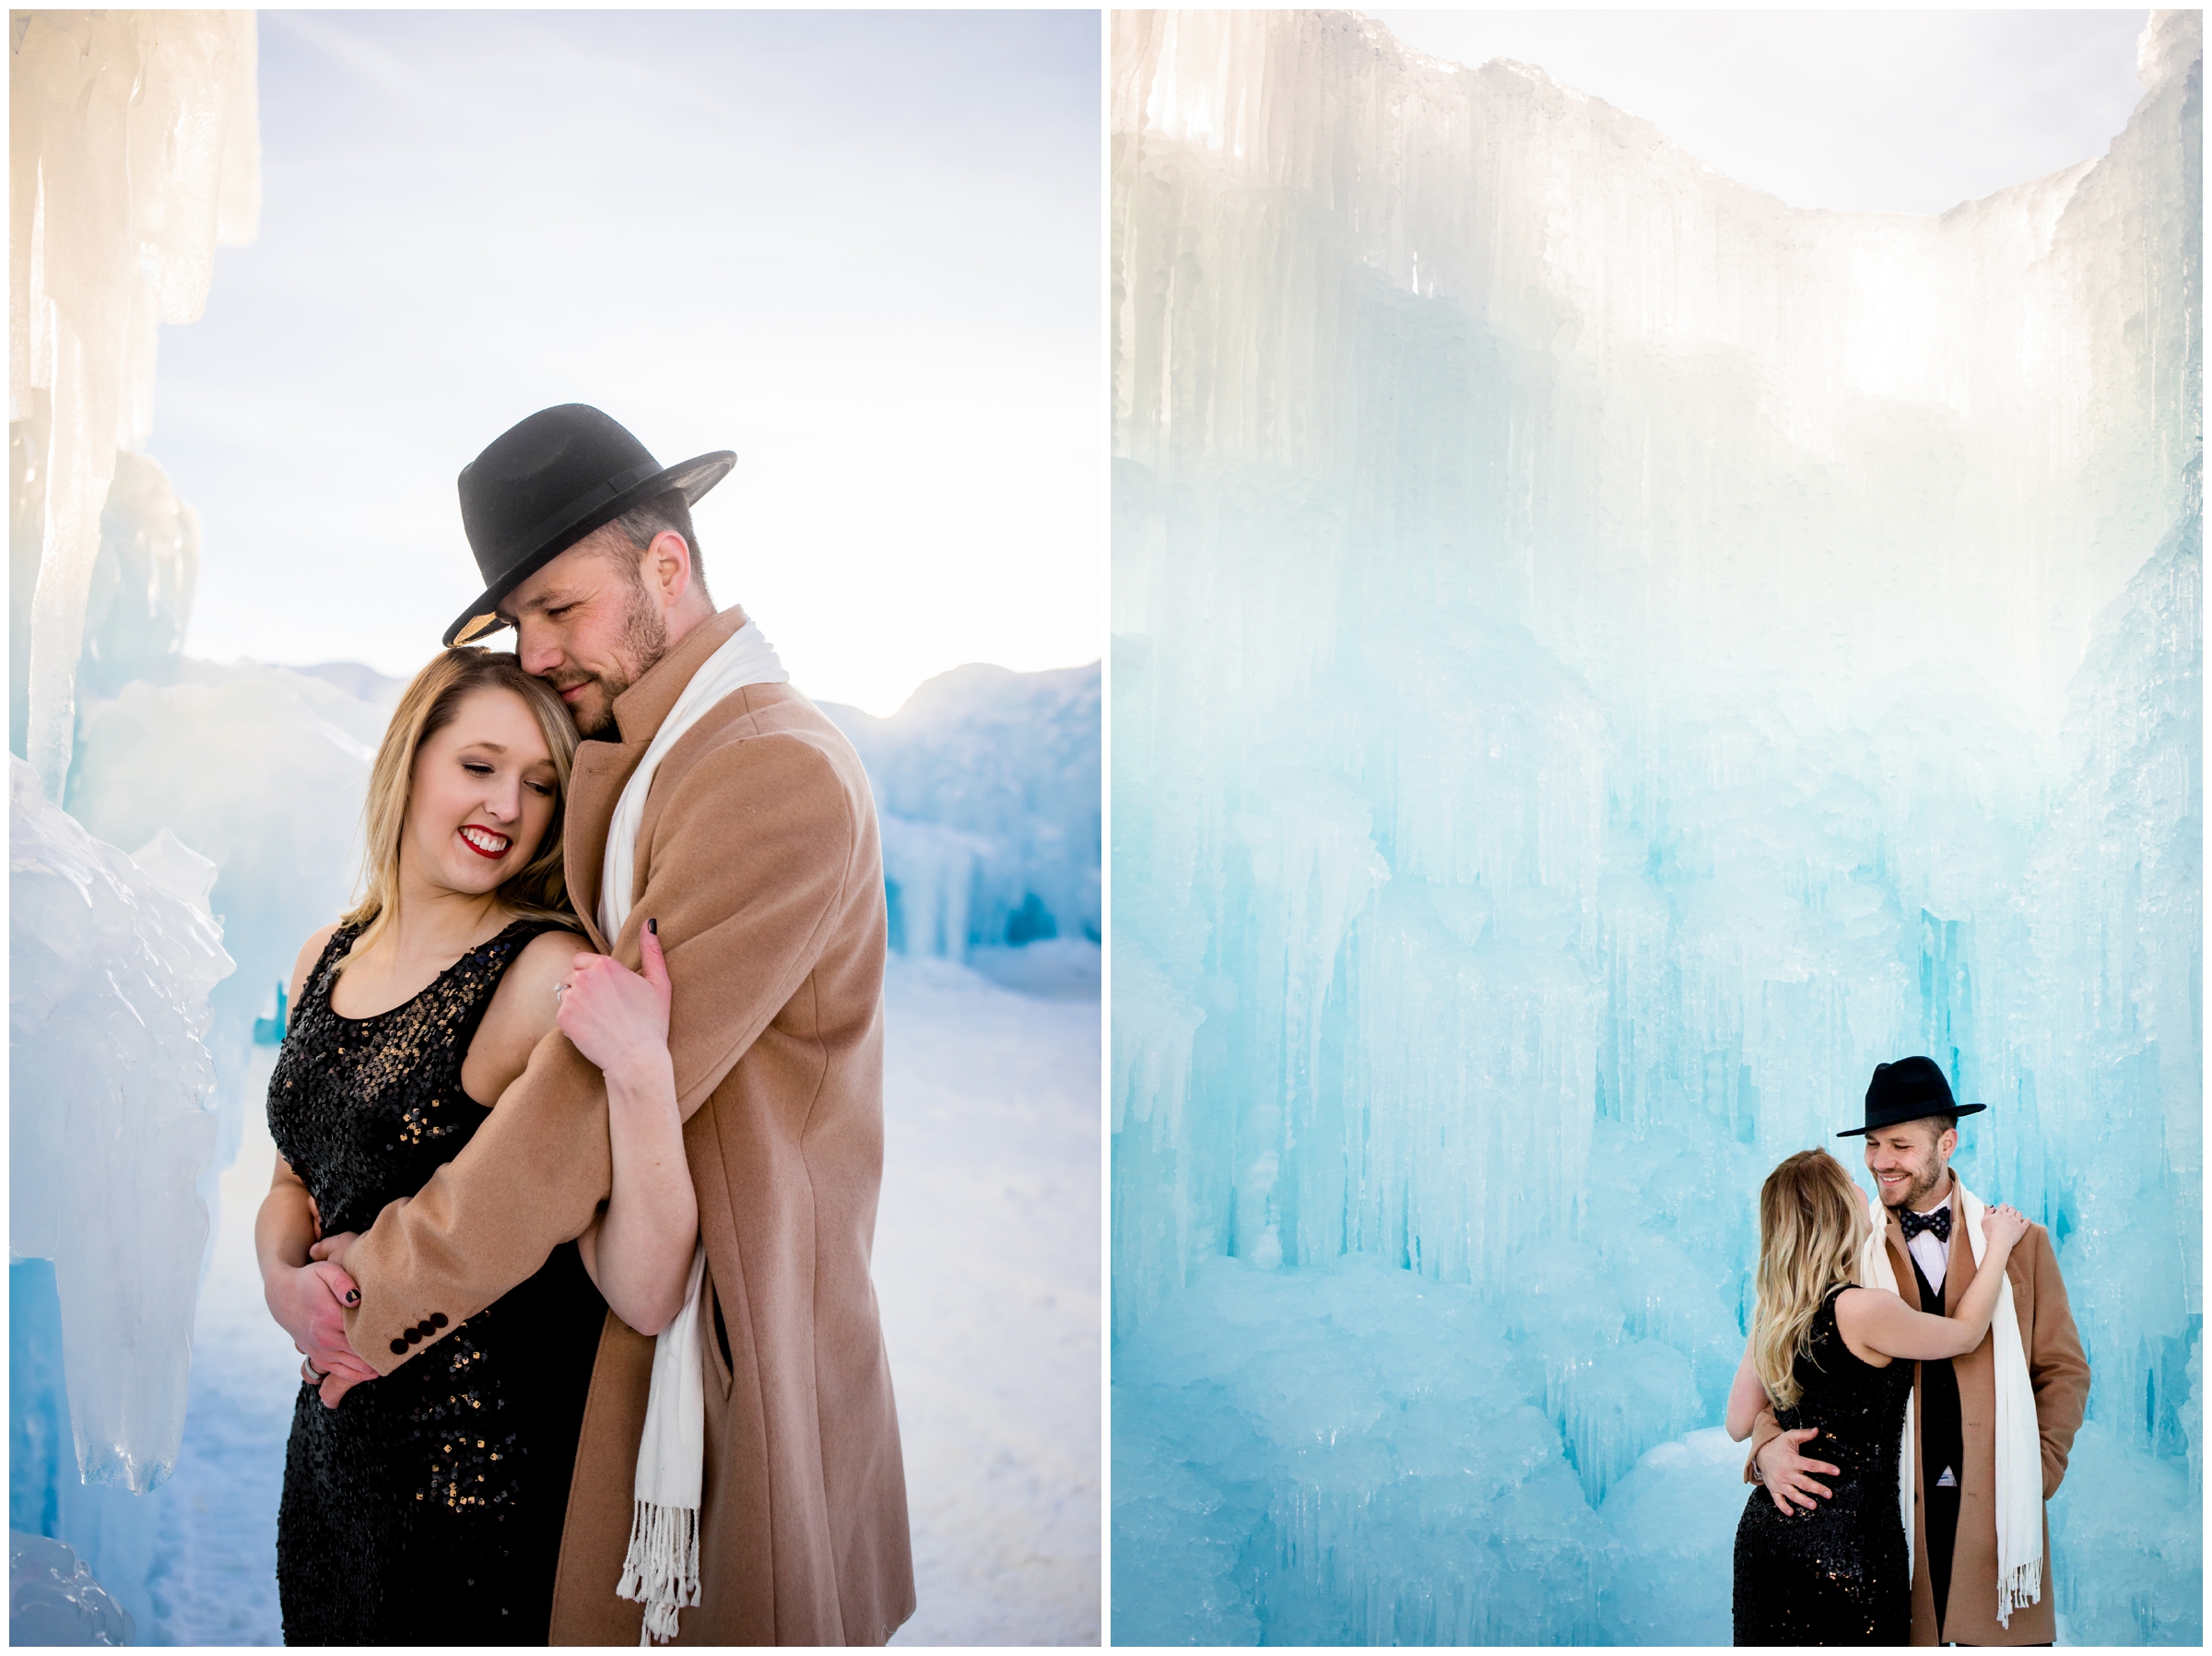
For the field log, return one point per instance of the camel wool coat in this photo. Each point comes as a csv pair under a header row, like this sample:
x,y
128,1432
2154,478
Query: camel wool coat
x,y
2059,1373
757,854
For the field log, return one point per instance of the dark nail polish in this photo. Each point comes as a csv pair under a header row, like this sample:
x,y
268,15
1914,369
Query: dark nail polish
x,y
653,926
353,1296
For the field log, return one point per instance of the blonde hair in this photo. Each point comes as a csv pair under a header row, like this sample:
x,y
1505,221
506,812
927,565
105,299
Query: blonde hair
x,y
536,890
1812,1223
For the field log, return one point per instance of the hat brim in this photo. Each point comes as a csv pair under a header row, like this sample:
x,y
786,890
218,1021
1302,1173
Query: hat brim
x,y
1956,1110
694,477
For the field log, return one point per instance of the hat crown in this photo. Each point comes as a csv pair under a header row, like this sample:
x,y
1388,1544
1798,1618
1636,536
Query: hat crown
x,y
566,439
551,465
1908,1081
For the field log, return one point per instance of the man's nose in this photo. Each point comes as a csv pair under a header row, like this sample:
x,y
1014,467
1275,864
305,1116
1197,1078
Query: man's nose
x,y
537,650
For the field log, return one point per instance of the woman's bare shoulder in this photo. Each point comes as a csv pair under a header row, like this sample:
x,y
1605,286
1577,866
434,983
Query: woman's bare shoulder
x,y
523,1012
1860,1300
546,958
524,999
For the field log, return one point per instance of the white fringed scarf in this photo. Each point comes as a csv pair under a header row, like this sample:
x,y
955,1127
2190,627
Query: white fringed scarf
x,y
662,1567
2019,1447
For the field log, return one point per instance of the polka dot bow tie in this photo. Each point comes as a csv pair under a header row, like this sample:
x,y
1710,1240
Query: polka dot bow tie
x,y
1940,1222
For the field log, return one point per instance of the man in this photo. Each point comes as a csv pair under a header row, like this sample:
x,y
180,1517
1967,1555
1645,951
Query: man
x,y
1912,1131
757,855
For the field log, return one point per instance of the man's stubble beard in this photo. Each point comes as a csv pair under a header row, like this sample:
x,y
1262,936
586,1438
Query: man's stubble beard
x,y
1919,1190
644,641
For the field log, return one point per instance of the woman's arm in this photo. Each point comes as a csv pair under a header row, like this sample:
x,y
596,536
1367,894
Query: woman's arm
x,y
307,1299
1746,1397
1876,1318
639,1250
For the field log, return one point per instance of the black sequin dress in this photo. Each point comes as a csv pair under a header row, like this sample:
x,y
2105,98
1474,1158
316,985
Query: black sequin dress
x,y
427,1508
1836,1575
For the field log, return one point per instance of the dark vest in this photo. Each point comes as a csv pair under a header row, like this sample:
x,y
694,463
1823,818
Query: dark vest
x,y
1942,1439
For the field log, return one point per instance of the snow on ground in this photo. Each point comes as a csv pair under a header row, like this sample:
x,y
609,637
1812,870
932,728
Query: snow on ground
x,y
987,1272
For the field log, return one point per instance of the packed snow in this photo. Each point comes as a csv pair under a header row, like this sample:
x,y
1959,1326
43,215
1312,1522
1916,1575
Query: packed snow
x,y
1602,660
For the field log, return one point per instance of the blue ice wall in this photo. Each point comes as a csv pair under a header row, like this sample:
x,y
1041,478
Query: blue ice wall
x,y
1601,659
987,790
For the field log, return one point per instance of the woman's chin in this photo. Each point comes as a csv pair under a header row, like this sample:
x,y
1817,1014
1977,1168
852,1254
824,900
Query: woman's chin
x,y
479,881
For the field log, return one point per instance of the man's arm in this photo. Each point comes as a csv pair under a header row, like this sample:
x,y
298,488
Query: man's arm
x,y
751,858
2057,1368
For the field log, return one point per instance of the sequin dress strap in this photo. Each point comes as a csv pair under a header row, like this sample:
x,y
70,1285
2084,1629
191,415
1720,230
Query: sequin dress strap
x,y
324,973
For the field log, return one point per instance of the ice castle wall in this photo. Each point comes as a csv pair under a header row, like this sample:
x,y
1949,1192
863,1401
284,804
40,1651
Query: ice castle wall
x,y
109,971
1602,658
986,786
134,152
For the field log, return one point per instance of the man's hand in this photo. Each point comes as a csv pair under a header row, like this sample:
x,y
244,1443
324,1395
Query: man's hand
x,y
1788,1475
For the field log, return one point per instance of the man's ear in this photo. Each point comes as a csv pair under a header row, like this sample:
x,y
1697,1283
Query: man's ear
x,y
670,569
1949,1144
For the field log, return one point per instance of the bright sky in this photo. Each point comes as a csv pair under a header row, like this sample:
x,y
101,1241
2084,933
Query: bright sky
x,y
861,250
1908,112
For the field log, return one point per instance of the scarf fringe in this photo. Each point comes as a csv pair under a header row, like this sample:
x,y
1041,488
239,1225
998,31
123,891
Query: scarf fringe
x,y
2019,1588
661,1570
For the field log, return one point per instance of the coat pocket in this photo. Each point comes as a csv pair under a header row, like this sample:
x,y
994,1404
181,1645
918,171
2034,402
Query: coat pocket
x,y
725,1370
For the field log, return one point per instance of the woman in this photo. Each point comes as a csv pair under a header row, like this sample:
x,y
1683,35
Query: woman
x,y
1833,1355
427,1507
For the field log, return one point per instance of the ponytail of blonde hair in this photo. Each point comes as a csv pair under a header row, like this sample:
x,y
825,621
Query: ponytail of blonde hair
x,y
538,891
1812,1223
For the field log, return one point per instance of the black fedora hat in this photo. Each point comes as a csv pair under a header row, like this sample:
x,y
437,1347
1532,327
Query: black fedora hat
x,y
545,482
1906,1091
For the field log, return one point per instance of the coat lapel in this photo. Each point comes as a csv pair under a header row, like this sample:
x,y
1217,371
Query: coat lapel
x,y
595,784
1958,1270
601,769
1901,1261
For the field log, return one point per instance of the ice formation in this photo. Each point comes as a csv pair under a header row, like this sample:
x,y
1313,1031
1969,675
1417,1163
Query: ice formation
x,y
134,152
986,783
54,1599
1602,658
109,969
261,768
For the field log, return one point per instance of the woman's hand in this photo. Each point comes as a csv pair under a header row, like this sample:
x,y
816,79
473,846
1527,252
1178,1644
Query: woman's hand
x,y
618,1018
309,1303
2004,1225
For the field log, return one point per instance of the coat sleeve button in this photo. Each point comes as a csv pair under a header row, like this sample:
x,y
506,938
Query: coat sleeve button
x,y
399,1349
436,1318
